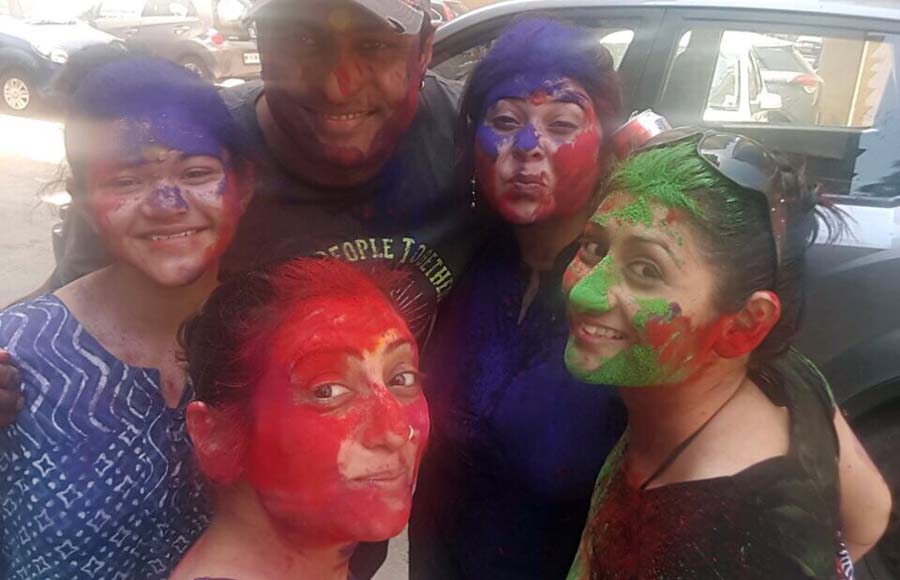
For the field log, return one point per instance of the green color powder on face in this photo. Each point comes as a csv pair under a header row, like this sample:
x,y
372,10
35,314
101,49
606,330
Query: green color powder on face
x,y
592,292
636,366
666,176
638,212
656,308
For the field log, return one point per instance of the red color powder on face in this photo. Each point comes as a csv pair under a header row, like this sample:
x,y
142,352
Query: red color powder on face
x,y
342,75
538,98
610,204
672,216
577,168
681,347
311,464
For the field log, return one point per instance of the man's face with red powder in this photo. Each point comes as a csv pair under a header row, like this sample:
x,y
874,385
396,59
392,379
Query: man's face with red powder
x,y
342,85
339,423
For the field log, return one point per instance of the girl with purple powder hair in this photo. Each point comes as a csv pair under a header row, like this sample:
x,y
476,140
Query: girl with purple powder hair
x,y
96,475
517,442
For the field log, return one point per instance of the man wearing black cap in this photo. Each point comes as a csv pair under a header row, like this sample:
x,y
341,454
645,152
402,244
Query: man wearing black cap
x,y
354,158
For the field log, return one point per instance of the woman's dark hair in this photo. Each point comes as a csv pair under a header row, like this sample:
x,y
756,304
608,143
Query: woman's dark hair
x,y
736,230
539,46
224,343
106,83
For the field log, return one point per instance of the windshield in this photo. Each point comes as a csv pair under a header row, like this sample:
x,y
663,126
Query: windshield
x,y
47,10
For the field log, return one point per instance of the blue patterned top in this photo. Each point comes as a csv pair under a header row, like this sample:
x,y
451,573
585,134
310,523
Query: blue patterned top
x,y
96,476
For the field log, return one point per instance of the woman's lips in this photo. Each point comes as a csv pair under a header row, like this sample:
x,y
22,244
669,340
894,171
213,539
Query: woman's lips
x,y
527,179
593,333
388,478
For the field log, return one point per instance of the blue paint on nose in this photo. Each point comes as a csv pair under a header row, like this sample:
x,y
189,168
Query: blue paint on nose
x,y
527,138
169,197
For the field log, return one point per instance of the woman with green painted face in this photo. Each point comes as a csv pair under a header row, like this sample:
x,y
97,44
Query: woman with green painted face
x,y
685,293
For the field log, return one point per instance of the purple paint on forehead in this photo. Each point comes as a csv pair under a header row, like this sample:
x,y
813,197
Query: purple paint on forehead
x,y
157,103
527,138
532,53
169,197
169,127
523,86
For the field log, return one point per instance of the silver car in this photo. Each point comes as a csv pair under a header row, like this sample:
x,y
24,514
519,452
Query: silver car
x,y
209,37
814,79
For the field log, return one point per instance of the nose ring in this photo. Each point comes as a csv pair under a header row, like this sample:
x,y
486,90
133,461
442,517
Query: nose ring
x,y
412,434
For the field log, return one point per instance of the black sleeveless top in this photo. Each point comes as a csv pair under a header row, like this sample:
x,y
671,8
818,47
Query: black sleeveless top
x,y
775,519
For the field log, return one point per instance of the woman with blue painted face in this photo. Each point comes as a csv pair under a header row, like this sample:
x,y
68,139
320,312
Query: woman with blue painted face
x,y
96,476
517,442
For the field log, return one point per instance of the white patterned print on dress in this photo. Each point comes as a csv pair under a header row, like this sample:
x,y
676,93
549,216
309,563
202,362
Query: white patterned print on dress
x,y
96,477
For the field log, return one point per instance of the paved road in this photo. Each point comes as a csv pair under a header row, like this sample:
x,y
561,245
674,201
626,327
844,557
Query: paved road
x,y
31,153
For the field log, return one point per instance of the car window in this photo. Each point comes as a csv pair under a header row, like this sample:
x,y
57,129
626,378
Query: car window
x,y
831,100
847,87
120,9
457,67
726,90
231,11
179,8
785,58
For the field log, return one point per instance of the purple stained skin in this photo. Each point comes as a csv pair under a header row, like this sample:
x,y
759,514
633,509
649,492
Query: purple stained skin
x,y
521,87
489,140
169,197
526,139
168,127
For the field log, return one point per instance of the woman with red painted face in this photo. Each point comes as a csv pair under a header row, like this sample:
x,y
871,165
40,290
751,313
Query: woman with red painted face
x,y
309,421
96,475
686,293
518,442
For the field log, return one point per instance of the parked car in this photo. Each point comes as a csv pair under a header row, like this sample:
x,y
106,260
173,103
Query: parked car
x,y
33,47
209,37
446,10
674,57
787,73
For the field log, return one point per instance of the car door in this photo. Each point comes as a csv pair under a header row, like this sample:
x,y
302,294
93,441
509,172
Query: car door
x,y
627,32
120,18
166,26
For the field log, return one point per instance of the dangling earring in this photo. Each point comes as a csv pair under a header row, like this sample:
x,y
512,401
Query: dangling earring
x,y
474,201
422,84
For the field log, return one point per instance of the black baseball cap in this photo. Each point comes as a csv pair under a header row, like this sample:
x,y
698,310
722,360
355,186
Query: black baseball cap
x,y
404,16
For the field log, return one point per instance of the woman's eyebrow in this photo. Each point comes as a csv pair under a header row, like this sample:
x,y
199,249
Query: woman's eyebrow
x,y
570,96
394,345
642,239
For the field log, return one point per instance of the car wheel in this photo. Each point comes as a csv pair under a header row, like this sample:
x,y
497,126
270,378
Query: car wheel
x,y
197,66
879,433
17,93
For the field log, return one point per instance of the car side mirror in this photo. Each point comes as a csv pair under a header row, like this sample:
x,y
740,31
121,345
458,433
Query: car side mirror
x,y
770,102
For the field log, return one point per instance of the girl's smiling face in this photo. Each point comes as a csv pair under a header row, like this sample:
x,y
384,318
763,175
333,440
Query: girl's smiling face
x,y
168,212
537,150
641,297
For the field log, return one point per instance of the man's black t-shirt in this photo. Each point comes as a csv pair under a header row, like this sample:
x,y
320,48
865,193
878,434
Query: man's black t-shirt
x,y
408,218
